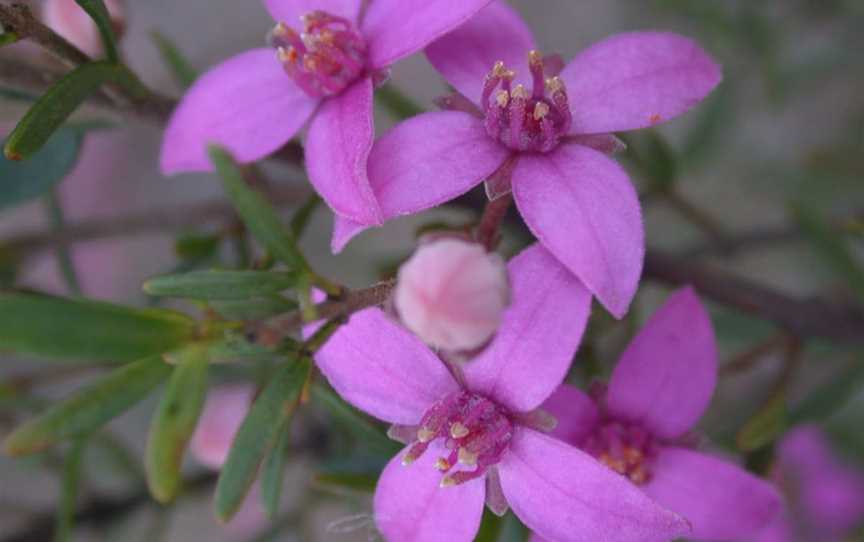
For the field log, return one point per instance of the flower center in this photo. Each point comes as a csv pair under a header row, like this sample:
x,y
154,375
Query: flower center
x,y
325,58
475,430
626,449
525,121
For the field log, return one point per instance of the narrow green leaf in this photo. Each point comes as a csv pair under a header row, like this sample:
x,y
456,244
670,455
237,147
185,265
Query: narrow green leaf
x,y
363,428
53,108
258,215
355,481
17,95
80,329
23,181
100,15
831,397
831,247
273,472
257,435
235,347
764,427
396,102
180,67
652,156
57,219
301,217
174,422
8,38
253,309
89,408
221,285
71,481
197,247
490,527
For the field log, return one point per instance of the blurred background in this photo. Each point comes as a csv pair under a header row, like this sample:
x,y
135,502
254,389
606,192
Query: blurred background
x,y
763,180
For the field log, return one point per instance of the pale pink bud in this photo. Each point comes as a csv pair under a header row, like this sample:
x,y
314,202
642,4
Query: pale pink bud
x,y
452,293
70,21
224,411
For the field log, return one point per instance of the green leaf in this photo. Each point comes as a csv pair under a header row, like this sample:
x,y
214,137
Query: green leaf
x,y
301,217
89,408
180,67
8,38
100,15
258,215
17,95
257,434
197,247
253,309
764,427
396,102
53,108
363,428
831,247
653,157
355,481
23,181
174,422
235,347
94,331
273,472
490,527
831,397
71,481
221,285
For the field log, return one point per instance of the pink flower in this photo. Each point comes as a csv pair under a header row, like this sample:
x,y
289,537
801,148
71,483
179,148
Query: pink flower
x,y
327,58
658,391
70,21
825,498
472,436
548,137
452,293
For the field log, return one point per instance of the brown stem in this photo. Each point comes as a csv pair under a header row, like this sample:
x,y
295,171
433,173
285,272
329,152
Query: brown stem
x,y
710,227
19,18
487,232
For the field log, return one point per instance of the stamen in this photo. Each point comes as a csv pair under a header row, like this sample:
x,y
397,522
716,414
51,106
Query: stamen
x,y
424,434
458,430
541,109
626,449
467,458
442,464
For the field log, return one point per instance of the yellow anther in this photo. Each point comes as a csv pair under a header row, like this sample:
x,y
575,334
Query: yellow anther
x,y
442,464
502,98
424,434
448,481
467,458
407,459
281,29
554,85
519,93
458,430
541,109
499,69
632,456
534,57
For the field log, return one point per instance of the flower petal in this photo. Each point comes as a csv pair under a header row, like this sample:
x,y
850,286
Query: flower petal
x,y
343,231
337,148
290,11
246,104
581,206
722,501
667,375
563,494
397,28
637,79
224,411
430,159
575,411
465,56
382,368
410,505
538,336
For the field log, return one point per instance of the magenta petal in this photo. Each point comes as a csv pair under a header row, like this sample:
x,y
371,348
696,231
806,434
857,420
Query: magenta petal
x,y
381,368
539,333
722,501
465,56
430,159
637,79
667,375
290,11
583,208
575,411
246,104
564,494
337,148
398,28
410,505
343,231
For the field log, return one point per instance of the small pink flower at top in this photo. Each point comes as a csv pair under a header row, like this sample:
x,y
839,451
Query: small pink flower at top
x,y
473,432
824,497
452,293
70,21
327,56
637,426
519,121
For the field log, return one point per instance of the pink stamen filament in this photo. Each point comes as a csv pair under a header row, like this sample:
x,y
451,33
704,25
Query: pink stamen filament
x,y
626,449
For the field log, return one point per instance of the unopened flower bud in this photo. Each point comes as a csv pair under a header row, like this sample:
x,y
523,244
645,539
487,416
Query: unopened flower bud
x,y
224,411
70,21
452,294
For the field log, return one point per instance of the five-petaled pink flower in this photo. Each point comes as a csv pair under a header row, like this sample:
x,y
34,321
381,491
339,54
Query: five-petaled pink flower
x,y
547,136
472,435
825,498
327,56
638,426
